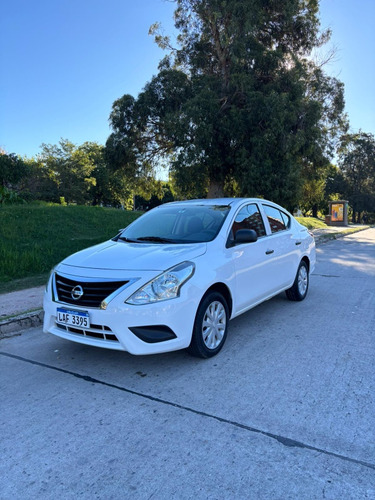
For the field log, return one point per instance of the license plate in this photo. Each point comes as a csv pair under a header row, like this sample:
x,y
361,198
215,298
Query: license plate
x,y
73,318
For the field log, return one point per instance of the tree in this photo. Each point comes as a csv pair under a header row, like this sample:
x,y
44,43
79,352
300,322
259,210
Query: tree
x,y
41,184
162,193
75,174
357,163
239,107
12,169
109,188
313,193
71,168
336,185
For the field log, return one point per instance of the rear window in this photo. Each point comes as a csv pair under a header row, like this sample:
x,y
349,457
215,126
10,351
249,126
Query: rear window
x,y
278,220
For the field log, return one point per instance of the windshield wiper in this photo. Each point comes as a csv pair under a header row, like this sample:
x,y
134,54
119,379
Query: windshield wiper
x,y
128,240
156,239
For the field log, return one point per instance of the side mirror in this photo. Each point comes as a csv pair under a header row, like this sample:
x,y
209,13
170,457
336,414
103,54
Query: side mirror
x,y
245,236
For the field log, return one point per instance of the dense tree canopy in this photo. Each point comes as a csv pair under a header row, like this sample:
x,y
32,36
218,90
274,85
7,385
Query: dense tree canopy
x,y
74,174
71,169
78,174
357,164
238,107
12,169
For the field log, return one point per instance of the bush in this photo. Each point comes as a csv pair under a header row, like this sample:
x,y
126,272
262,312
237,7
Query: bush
x,y
9,197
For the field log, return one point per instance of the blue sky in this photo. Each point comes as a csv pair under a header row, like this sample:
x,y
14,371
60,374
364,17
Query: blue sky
x,y
64,62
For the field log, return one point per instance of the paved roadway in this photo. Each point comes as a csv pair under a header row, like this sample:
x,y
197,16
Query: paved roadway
x,y
285,411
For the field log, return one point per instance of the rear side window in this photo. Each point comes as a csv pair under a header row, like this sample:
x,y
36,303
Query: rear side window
x,y
279,221
249,217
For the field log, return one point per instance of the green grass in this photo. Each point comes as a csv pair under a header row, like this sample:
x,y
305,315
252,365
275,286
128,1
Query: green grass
x,y
23,283
34,238
312,222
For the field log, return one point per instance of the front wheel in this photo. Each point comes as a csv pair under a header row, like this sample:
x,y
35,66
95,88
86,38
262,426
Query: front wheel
x,y
210,327
301,284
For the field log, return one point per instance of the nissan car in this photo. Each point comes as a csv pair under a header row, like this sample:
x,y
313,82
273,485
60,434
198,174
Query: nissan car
x,y
175,277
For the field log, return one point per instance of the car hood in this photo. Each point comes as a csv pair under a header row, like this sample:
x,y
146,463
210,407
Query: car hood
x,y
114,255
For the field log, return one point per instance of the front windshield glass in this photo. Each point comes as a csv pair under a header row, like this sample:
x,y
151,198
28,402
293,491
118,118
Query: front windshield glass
x,y
177,224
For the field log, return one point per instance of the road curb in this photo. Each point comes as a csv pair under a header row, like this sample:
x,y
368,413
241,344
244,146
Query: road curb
x,y
12,326
323,238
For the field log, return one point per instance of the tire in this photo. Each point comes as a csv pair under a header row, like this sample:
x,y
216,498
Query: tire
x,y
301,284
210,326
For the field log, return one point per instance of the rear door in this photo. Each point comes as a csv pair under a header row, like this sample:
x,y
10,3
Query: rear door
x,y
283,244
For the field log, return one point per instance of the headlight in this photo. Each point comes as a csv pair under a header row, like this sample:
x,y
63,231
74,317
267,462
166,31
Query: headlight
x,y
165,286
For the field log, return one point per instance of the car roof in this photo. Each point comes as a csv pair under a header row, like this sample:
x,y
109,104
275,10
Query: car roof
x,y
215,201
233,202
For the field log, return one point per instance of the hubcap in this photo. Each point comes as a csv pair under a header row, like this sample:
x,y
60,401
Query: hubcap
x,y
302,280
214,323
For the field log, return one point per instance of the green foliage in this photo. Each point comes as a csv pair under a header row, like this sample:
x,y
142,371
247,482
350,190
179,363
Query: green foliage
x,y
313,193
162,194
35,237
75,174
12,169
357,164
238,108
70,167
9,197
336,185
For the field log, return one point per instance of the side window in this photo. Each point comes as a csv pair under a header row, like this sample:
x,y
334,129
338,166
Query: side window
x,y
249,217
277,219
286,219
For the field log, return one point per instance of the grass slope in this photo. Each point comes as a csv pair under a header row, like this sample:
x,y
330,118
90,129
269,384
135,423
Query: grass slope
x,y
35,238
312,223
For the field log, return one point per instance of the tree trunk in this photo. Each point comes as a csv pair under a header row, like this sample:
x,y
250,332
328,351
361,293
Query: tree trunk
x,y
315,211
215,190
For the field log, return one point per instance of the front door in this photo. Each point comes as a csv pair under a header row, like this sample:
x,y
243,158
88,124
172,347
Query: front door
x,y
254,263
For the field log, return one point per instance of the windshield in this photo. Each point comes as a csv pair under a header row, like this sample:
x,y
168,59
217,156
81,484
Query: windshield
x,y
177,224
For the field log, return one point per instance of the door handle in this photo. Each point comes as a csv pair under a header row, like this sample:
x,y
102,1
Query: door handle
x,y
298,242
269,252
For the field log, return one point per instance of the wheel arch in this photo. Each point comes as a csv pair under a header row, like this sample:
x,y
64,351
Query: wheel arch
x,y
307,261
223,289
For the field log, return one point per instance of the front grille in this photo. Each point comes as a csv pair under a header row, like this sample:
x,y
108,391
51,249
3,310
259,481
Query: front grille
x,y
94,292
95,332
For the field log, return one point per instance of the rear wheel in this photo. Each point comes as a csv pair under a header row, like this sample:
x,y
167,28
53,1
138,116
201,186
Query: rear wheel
x,y
301,284
210,327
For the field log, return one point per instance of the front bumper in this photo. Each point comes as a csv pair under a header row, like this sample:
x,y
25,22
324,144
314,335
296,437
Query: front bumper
x,y
144,329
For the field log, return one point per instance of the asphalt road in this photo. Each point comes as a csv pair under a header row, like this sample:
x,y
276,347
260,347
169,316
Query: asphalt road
x,y
286,410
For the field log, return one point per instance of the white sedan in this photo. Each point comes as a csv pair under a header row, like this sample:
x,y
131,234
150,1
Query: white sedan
x,y
175,277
